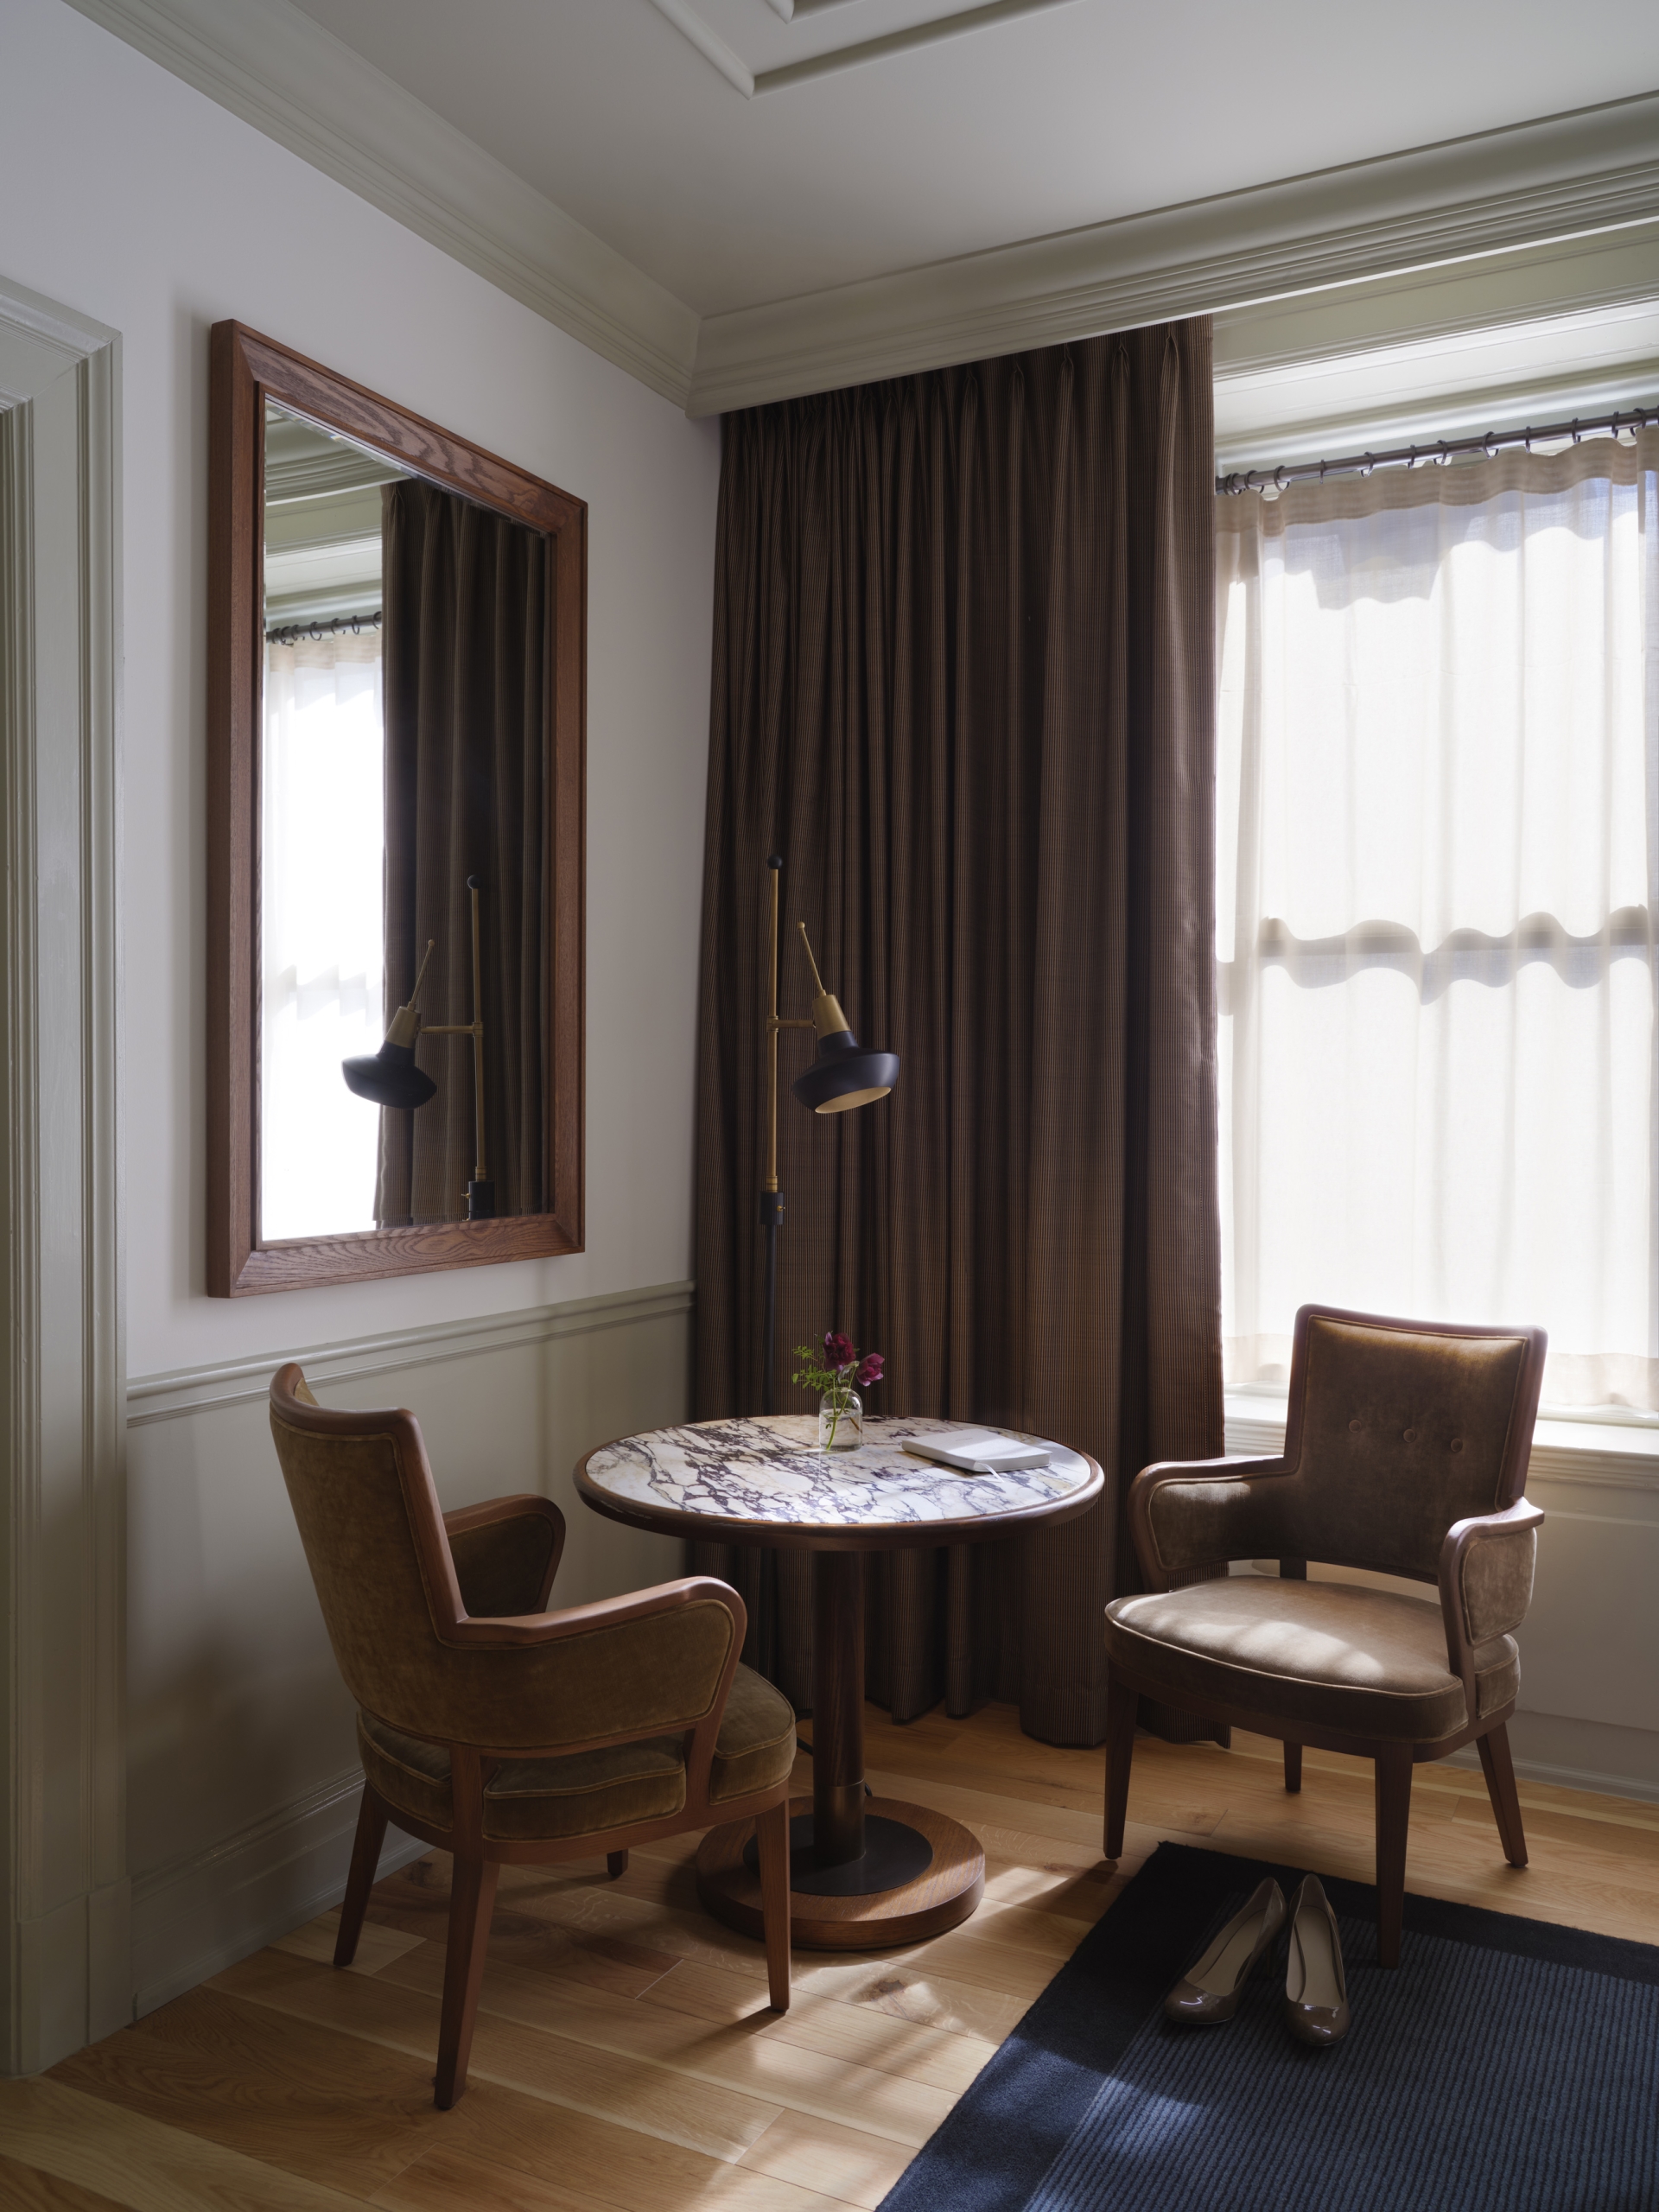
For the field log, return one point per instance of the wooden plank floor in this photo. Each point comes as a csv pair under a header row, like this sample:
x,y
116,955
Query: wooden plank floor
x,y
625,2059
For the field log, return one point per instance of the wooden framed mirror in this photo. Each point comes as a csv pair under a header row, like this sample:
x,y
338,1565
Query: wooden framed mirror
x,y
396,797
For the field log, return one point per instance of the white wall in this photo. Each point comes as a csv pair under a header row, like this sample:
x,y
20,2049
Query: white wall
x,y
132,199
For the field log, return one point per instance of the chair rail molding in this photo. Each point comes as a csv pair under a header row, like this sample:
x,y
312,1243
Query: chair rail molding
x,y
64,1931
1563,176
180,1392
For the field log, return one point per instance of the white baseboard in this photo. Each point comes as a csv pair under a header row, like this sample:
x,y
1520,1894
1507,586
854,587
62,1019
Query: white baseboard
x,y
200,1914
1570,1777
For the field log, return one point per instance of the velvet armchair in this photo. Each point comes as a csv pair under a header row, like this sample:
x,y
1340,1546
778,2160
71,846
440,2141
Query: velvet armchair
x,y
1406,1452
502,1732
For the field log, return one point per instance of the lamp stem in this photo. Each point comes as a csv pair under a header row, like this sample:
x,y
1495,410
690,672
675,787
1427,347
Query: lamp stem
x,y
812,964
772,1202
480,1172
414,997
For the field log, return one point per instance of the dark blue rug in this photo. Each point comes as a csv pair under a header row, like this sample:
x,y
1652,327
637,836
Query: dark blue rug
x,y
1505,2066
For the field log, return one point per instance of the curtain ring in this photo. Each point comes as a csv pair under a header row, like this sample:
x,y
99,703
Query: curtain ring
x,y
1575,429
1369,465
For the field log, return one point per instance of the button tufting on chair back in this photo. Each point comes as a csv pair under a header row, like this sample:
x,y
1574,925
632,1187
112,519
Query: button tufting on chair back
x,y
1401,1435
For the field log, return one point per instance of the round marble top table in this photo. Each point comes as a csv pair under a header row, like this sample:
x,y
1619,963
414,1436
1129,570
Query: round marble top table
x,y
864,1871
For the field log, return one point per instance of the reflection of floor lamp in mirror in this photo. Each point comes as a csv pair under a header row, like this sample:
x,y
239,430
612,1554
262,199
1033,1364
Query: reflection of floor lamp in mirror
x,y
390,1077
842,1075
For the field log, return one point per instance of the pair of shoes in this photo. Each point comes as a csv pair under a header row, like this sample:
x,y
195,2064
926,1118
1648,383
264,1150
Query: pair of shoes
x,y
1316,1990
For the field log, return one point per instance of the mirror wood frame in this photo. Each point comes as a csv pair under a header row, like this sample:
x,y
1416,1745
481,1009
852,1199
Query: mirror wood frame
x,y
247,370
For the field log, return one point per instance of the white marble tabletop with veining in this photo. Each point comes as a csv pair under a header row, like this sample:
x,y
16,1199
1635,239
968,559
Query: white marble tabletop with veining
x,y
771,1470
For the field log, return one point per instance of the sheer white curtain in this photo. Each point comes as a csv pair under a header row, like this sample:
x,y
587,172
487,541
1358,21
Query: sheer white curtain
x,y
322,861
1438,821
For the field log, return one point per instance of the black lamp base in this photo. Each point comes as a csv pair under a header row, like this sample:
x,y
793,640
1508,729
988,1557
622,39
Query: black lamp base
x,y
480,1201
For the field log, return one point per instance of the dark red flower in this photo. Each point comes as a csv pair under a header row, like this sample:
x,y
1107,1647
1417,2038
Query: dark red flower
x,y
870,1370
838,1351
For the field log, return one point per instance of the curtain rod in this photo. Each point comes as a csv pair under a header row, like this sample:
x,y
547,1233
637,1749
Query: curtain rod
x,y
290,633
1259,480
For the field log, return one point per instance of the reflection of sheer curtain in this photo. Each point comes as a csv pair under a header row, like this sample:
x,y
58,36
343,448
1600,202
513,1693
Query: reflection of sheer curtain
x,y
321,861
1439,734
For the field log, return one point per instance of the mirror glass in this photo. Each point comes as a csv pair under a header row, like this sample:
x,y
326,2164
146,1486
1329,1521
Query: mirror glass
x,y
403,842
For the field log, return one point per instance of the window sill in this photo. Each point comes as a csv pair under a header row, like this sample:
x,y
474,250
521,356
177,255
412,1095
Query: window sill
x,y
1620,1454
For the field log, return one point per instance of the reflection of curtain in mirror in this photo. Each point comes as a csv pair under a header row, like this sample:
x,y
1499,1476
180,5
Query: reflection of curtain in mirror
x,y
466,599
322,836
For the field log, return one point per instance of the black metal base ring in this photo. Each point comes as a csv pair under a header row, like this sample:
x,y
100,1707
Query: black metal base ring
x,y
894,1853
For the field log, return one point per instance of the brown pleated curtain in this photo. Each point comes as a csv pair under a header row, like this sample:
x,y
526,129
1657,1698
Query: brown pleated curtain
x,y
465,625
964,682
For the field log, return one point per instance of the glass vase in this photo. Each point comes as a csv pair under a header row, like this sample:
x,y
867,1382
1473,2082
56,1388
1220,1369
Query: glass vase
x,y
840,1421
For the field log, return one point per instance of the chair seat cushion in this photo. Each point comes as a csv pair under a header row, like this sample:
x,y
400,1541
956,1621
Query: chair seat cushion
x,y
1323,1654
588,1793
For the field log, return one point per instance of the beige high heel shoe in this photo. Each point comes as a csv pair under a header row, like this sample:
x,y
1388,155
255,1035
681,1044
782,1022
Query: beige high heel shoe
x,y
1208,1992
1316,1988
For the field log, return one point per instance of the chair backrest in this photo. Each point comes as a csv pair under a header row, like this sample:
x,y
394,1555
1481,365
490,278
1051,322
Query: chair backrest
x,y
1395,1429
372,1530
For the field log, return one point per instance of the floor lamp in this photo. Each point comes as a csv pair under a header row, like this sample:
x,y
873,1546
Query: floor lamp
x,y
843,1074
390,1077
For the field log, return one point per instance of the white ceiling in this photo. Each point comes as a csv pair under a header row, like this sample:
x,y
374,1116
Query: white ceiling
x,y
1043,121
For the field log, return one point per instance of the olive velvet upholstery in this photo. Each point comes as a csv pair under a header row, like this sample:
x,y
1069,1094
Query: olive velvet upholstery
x,y
1406,1452
503,1732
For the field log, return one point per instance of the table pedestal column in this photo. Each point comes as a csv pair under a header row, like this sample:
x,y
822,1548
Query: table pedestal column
x,y
837,1708
864,1872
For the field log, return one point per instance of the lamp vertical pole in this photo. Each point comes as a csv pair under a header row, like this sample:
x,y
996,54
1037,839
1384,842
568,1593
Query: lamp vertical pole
x,y
480,1172
772,1201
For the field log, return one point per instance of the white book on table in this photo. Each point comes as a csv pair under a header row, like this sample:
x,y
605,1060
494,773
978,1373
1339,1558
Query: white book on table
x,y
979,1452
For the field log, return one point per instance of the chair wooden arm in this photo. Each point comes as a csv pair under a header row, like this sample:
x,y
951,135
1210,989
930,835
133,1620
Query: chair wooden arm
x,y
506,1552
1485,1578
1224,1512
616,1671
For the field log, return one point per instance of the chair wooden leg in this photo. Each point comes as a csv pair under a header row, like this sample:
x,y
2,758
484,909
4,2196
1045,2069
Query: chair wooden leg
x,y
1121,1705
1499,1771
366,1857
1393,1818
771,1838
472,1900
1293,1767
616,1864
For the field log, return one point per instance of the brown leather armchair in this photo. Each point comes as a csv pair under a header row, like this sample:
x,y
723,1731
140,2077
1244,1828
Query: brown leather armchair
x,y
1406,1450
502,1732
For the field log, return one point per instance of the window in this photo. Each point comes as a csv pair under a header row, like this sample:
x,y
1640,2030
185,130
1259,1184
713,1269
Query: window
x,y
322,989
1437,834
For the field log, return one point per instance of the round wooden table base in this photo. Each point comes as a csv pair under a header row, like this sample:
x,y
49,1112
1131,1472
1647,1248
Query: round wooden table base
x,y
942,1896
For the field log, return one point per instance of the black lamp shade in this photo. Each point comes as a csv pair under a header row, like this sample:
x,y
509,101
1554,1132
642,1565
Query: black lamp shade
x,y
389,1077
844,1075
